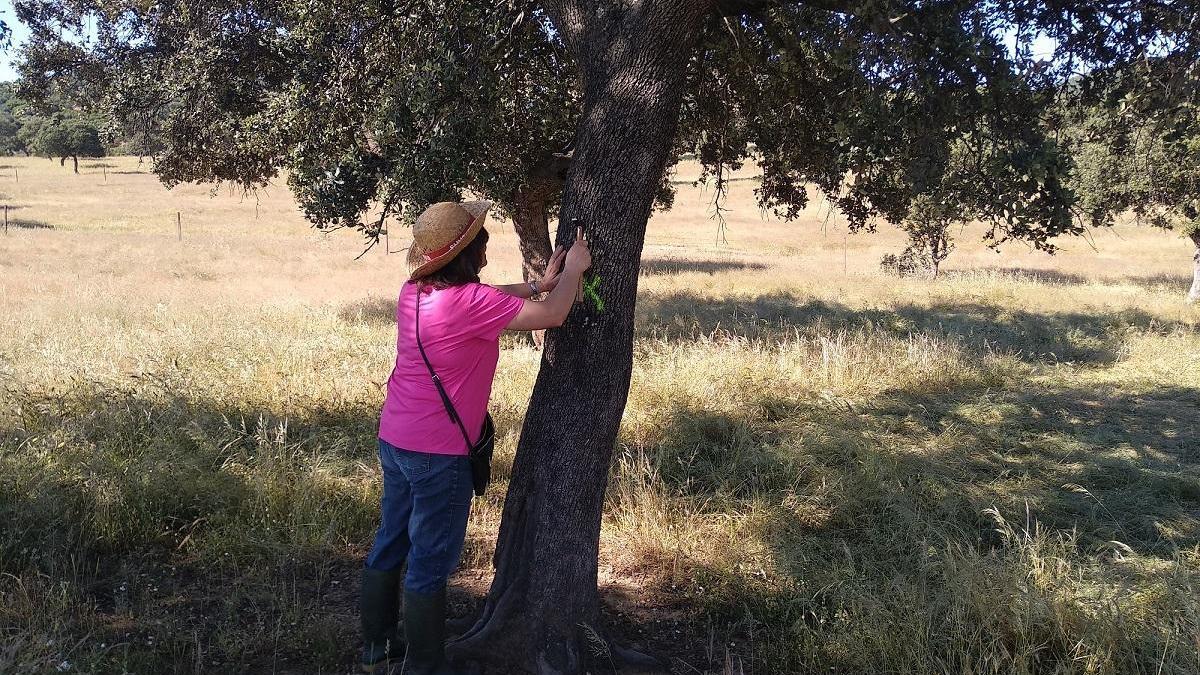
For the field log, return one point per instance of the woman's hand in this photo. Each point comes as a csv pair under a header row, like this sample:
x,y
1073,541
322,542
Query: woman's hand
x,y
551,312
553,269
579,258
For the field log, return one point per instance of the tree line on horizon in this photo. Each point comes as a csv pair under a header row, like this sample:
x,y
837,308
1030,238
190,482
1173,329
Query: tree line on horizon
x,y
58,127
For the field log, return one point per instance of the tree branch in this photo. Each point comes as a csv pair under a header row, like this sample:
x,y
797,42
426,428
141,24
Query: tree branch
x,y
553,167
568,17
854,8
740,7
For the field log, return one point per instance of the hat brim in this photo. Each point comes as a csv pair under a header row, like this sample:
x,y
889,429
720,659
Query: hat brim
x,y
420,266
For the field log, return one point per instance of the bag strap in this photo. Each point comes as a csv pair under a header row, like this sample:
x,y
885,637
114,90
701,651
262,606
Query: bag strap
x,y
437,381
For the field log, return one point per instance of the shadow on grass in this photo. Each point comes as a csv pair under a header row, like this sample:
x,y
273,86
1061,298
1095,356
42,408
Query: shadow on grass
x,y
221,535
26,224
1136,455
1033,337
651,266
1150,282
1112,466
864,510
180,461
850,500
1020,274
1171,283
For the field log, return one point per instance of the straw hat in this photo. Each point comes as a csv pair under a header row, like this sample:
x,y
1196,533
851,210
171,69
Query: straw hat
x,y
441,232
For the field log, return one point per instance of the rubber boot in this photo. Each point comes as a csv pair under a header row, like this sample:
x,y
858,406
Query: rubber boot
x,y
379,610
425,625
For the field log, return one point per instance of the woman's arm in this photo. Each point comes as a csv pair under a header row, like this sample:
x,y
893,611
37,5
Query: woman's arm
x,y
544,285
551,312
521,290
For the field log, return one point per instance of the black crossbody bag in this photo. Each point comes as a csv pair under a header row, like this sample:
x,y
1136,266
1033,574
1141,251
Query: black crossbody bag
x,y
479,454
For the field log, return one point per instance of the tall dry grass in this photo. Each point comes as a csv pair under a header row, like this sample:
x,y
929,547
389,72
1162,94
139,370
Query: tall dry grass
x,y
820,468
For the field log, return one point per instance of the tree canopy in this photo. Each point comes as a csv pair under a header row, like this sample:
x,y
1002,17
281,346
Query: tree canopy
x,y
369,106
55,127
65,135
873,117
10,127
1135,134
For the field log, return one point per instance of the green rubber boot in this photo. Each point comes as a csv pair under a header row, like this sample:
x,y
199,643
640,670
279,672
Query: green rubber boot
x,y
379,610
425,625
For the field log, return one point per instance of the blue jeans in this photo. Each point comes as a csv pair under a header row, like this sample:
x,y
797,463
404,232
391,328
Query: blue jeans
x,y
426,501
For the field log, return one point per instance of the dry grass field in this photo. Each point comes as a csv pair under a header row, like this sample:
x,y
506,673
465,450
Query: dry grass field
x,y
821,468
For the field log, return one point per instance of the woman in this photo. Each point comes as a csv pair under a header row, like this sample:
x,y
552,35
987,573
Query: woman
x,y
427,484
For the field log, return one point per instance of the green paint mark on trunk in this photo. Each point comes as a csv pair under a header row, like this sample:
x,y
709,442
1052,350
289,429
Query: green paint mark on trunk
x,y
591,290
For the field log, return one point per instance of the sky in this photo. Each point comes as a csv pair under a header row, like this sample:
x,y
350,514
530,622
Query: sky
x,y
19,33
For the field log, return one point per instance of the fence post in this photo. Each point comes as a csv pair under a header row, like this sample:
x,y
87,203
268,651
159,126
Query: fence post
x,y
845,245
178,226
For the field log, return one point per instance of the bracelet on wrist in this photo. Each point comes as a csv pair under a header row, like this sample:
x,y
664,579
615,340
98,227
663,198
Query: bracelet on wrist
x,y
533,288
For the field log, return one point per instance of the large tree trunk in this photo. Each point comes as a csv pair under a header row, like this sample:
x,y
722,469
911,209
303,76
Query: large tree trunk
x,y
937,253
1194,295
533,238
543,605
533,235
75,159
531,219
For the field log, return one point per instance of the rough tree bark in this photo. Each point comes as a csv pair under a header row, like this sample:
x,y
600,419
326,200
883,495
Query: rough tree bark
x,y
533,234
530,217
531,220
1194,295
542,613
533,238
938,249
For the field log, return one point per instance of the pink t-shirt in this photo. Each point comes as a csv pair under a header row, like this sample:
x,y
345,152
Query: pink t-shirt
x,y
460,329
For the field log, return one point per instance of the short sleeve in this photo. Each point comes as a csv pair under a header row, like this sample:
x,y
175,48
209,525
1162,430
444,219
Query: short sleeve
x,y
492,310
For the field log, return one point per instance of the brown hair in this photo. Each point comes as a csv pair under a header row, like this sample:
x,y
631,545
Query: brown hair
x,y
462,268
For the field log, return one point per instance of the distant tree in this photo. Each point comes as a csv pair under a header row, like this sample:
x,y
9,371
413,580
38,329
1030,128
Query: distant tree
x,y
10,139
10,126
66,135
1006,179
54,124
136,131
1135,137
927,225
826,90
